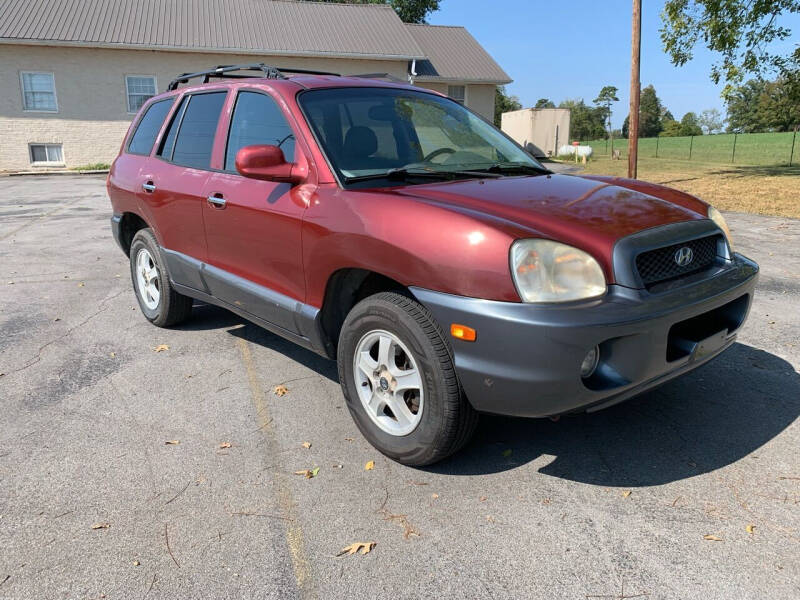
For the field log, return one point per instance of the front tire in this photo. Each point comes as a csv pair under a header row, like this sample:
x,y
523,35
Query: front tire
x,y
160,303
397,375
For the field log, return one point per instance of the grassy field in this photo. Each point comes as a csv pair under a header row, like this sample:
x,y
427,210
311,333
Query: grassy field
x,y
751,148
755,189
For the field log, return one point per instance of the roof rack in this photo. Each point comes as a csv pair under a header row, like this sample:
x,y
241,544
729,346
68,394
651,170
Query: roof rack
x,y
228,72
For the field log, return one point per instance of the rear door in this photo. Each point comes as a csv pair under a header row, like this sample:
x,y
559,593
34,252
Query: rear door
x,y
124,181
253,227
174,179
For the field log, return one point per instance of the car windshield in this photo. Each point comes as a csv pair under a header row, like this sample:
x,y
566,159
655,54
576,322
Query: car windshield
x,y
373,134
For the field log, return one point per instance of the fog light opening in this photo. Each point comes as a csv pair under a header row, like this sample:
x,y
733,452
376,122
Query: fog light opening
x,y
590,362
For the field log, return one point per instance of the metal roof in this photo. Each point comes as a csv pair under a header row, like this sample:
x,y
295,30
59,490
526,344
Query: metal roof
x,y
277,27
452,54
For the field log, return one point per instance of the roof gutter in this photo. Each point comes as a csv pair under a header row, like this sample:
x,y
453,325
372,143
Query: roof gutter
x,y
205,49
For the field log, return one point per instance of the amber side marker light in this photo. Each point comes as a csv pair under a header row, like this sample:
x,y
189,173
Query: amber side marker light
x,y
462,332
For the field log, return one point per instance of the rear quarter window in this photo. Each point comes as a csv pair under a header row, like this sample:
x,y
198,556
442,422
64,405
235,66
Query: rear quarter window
x,y
148,127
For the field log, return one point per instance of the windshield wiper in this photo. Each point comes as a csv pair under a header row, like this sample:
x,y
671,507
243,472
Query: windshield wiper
x,y
401,174
515,167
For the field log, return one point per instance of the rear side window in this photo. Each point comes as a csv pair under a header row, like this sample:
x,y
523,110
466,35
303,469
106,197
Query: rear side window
x,y
146,131
196,127
168,143
257,119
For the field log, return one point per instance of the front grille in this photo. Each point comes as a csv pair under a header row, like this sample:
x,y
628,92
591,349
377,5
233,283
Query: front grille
x,y
655,266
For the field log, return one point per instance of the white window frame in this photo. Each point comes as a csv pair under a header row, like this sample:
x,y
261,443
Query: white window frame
x,y
22,90
128,93
465,86
46,163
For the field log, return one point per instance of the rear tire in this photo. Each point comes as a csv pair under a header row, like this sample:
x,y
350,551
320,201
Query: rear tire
x,y
444,420
160,303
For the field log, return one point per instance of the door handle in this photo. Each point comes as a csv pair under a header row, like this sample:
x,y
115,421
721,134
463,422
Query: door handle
x,y
217,201
149,187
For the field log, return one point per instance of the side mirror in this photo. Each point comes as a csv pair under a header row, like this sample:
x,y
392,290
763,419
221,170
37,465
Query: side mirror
x,y
267,163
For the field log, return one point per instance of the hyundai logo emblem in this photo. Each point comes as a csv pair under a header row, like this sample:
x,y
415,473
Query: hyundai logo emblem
x,y
684,256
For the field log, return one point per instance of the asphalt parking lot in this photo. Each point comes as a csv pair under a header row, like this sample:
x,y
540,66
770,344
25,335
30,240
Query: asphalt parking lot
x,y
689,491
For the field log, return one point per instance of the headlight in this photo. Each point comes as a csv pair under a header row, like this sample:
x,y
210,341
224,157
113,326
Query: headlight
x,y
546,271
719,220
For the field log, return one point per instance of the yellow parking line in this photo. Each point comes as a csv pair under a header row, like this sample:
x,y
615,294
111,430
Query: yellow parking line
x,y
286,501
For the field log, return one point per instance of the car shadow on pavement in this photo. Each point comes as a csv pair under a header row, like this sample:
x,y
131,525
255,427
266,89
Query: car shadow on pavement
x,y
706,420
208,316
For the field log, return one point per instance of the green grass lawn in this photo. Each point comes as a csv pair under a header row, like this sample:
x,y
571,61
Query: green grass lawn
x,y
751,148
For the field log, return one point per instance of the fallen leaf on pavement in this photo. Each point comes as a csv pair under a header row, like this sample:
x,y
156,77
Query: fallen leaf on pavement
x,y
306,445
348,439
308,473
101,525
224,445
362,547
482,499
712,538
370,465
626,493
172,442
750,528
81,284
161,348
281,390
434,496
507,453
136,563
338,466
490,518
113,354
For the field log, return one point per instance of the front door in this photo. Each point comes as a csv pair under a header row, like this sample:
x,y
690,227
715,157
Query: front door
x,y
253,227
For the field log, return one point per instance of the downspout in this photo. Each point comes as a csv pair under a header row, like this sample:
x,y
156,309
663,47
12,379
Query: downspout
x,y
412,71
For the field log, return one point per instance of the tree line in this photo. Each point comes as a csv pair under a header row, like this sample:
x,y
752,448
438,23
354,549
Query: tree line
x,y
757,106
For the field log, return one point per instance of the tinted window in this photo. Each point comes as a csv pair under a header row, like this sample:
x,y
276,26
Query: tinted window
x,y
196,130
168,143
147,130
257,119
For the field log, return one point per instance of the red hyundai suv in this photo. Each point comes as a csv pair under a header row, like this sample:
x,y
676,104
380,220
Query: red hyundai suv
x,y
447,271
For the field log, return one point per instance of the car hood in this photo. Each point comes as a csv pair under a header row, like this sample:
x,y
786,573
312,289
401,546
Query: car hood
x,y
586,213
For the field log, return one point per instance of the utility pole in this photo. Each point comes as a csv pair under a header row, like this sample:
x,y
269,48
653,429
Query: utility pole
x,y
636,88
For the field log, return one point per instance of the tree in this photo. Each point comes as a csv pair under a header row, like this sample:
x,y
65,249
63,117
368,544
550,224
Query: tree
x,y
586,123
670,128
545,103
742,103
690,125
760,105
652,115
410,11
710,120
503,104
740,32
650,109
604,100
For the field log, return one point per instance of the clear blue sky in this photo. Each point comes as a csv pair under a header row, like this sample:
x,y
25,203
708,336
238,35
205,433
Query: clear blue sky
x,y
562,50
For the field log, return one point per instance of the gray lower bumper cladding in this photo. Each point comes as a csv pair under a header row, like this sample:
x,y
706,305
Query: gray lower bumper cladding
x,y
527,358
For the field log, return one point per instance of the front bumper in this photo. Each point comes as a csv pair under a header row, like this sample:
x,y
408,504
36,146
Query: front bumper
x,y
526,358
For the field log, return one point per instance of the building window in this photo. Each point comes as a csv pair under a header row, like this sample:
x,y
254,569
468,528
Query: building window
x,y
140,88
457,93
38,91
46,153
